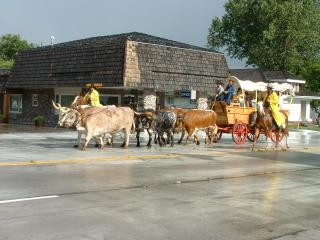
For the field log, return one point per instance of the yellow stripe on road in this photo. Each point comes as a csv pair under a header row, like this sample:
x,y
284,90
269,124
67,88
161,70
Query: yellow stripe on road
x,y
210,153
85,160
114,158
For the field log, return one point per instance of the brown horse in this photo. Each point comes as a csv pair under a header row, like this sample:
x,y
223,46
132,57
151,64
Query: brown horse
x,y
265,122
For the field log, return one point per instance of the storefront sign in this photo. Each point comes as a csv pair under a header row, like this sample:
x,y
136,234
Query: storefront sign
x,y
193,94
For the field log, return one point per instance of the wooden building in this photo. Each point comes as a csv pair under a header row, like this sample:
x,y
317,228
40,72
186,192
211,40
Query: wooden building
x,y
127,67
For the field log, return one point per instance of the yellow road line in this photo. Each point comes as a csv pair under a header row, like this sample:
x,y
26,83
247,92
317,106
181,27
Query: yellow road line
x,y
84,160
129,157
95,159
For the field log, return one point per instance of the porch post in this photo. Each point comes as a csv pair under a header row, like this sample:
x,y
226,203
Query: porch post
x,y
6,107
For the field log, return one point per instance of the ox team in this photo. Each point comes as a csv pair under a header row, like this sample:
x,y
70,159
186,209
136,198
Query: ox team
x,y
96,120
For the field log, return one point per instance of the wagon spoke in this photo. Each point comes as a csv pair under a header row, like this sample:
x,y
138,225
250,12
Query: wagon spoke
x,y
239,133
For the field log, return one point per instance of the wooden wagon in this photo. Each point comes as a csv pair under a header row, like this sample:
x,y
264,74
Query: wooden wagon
x,y
236,119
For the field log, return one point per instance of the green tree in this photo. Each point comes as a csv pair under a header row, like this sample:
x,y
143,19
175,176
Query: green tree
x,y
315,106
311,73
272,34
9,46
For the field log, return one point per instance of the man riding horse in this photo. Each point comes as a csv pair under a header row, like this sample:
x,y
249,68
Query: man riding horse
x,y
272,102
265,120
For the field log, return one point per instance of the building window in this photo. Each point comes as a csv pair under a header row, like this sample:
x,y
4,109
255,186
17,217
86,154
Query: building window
x,y
65,100
170,100
193,101
128,100
16,104
140,102
110,99
35,100
296,87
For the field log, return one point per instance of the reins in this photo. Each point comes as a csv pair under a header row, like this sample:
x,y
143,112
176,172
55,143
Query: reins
x,y
83,115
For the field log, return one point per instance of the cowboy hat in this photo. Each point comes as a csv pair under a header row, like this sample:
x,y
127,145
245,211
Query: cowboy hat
x,y
269,85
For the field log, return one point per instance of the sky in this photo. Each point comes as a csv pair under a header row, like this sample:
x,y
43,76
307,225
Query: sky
x,y
186,21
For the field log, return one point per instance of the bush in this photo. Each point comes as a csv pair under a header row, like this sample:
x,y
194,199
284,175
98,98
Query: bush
x,y
40,119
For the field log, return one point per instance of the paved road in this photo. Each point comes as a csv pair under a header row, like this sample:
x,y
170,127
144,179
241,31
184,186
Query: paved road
x,y
48,190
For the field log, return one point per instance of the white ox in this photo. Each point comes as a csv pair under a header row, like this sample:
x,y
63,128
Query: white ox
x,y
100,140
79,102
98,121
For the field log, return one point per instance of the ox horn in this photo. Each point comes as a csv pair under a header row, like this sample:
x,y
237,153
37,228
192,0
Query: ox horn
x,y
62,109
55,106
136,114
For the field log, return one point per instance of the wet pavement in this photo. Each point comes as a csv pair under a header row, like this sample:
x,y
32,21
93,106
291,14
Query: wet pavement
x,y
219,191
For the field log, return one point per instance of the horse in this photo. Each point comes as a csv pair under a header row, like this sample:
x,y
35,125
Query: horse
x,y
265,122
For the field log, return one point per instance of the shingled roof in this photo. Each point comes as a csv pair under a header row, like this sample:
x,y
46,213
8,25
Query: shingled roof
x,y
133,36
254,75
261,75
4,76
100,60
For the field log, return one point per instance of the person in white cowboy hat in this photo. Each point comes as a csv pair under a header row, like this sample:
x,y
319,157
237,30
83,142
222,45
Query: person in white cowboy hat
x,y
272,102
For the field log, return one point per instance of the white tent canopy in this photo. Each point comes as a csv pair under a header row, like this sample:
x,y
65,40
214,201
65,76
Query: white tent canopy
x,y
250,86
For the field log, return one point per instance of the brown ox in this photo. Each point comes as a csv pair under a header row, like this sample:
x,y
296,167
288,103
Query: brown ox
x,y
199,120
180,112
100,120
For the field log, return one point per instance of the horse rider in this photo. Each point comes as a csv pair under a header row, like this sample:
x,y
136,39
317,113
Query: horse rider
x,y
229,91
272,102
93,96
219,93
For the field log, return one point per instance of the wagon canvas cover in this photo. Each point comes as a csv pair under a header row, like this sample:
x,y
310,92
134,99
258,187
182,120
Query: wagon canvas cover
x,y
250,86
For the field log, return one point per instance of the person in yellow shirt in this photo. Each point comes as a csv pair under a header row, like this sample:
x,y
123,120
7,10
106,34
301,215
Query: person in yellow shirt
x,y
272,102
93,97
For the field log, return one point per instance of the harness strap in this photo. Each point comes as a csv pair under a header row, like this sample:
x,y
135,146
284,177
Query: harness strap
x,y
83,116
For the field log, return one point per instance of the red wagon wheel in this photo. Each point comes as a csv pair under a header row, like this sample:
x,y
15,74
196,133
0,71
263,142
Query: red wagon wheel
x,y
239,132
274,137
